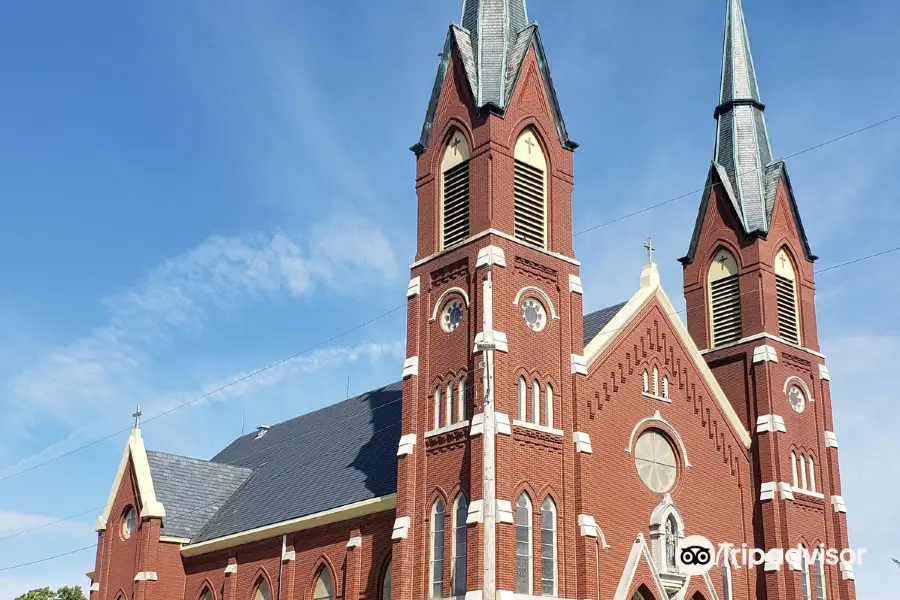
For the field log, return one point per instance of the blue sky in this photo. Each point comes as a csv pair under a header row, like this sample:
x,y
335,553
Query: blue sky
x,y
184,185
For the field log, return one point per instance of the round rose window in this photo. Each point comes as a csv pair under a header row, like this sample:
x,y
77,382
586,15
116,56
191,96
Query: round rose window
x,y
655,461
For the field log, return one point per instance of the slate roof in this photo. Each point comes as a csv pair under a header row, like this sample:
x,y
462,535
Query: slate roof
x,y
338,455
191,490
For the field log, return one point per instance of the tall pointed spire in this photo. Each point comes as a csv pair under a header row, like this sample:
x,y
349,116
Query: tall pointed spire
x,y
742,143
494,27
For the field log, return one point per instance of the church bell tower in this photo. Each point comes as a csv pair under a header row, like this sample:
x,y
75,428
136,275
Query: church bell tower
x,y
750,292
494,345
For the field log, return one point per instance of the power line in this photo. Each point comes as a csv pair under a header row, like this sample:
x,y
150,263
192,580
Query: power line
x,y
705,187
294,440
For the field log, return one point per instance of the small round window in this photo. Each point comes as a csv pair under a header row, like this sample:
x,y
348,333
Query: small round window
x,y
129,522
452,315
533,314
797,399
654,458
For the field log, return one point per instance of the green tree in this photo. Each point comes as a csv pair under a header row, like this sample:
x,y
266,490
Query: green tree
x,y
63,593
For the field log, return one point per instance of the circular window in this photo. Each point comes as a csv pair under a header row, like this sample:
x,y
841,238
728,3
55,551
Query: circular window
x,y
796,398
533,314
129,521
655,461
452,315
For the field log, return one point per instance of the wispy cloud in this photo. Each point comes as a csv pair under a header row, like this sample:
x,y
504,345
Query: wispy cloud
x,y
221,274
12,522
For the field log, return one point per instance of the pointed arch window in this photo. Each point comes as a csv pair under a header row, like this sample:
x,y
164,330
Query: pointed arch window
x,y
535,402
523,544
437,408
262,591
724,299
461,400
386,580
812,474
437,549
819,575
794,469
645,382
448,404
523,391
458,576
803,483
207,594
530,191
548,547
548,401
804,576
786,291
324,589
455,192
655,381
665,390
727,591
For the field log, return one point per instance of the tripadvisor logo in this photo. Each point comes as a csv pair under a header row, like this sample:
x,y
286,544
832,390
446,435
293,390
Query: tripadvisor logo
x,y
696,555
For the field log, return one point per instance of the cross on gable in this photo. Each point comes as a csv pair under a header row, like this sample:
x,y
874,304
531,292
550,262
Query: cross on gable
x,y
530,142
723,258
137,417
783,260
455,145
649,246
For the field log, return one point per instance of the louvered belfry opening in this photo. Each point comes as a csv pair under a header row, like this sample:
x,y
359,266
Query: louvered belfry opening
x,y
726,310
530,191
787,309
456,204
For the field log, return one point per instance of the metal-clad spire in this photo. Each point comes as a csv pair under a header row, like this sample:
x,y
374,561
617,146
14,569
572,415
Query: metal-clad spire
x,y
742,143
493,26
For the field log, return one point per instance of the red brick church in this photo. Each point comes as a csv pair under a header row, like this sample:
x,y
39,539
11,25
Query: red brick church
x,y
531,449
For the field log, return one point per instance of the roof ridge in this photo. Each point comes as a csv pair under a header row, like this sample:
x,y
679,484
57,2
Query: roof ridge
x,y
199,460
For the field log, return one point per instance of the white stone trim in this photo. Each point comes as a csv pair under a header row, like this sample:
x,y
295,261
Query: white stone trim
x,y
765,353
289,556
785,490
95,587
476,512
657,418
500,234
401,528
100,524
773,423
411,367
579,365
588,527
583,442
823,373
407,444
762,336
504,511
838,503
231,569
639,549
847,571
491,255
501,421
137,454
793,379
830,440
446,428
146,576
767,491
355,542
497,337
477,425
575,285
543,428
539,292
90,574
473,595
414,287
440,301
771,564
655,397
172,539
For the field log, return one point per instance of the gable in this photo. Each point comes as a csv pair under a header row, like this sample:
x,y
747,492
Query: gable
x,y
135,456
782,205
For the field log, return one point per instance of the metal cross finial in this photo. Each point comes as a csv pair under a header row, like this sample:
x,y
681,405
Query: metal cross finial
x,y
783,260
455,145
649,246
137,417
530,143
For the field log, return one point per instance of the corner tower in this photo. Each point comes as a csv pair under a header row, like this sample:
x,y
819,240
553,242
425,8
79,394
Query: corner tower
x,y
494,328
750,292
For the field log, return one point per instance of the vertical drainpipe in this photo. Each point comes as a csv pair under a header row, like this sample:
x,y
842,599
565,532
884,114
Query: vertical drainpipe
x,y
281,565
488,489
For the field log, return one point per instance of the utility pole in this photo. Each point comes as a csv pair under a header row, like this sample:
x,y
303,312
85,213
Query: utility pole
x,y
489,493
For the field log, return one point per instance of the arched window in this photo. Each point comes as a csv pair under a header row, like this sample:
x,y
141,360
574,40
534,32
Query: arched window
x,y
804,576
523,544
120,597
448,404
645,381
207,594
726,580
655,381
786,292
522,401
324,589
812,474
724,299
803,473
672,535
794,468
455,192
461,400
458,576
665,393
437,407
819,574
535,402
530,191
548,400
262,591
386,580
437,549
548,547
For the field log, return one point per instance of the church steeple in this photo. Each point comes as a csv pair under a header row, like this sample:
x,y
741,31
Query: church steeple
x,y
742,143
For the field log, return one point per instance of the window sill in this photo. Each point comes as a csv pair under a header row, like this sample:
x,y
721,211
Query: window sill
x,y
655,397
809,493
446,429
544,429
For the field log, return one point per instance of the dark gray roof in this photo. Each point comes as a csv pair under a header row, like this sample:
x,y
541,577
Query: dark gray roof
x,y
742,162
341,454
191,490
492,44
